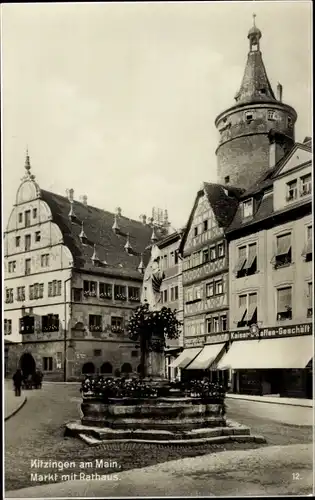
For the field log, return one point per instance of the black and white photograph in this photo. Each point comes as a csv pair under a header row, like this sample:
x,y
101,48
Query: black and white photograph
x,y
157,249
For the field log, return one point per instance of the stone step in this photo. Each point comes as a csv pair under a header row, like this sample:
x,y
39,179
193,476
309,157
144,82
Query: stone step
x,y
187,423
108,434
178,442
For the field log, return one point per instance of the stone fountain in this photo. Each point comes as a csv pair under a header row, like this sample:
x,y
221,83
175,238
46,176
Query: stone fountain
x,y
163,415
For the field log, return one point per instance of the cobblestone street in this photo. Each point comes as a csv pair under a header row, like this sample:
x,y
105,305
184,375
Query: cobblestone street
x,y
36,432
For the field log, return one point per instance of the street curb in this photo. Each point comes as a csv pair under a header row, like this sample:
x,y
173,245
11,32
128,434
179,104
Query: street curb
x,y
57,382
270,402
16,409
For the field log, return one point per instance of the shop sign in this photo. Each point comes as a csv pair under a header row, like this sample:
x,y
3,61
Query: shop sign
x,y
273,332
217,339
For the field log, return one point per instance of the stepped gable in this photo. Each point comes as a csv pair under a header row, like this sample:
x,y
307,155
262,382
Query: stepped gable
x,y
98,230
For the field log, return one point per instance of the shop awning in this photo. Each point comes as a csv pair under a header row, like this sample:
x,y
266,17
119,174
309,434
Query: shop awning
x,y
284,244
206,357
185,357
240,264
252,254
289,352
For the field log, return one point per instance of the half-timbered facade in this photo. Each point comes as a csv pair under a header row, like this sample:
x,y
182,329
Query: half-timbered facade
x,y
205,270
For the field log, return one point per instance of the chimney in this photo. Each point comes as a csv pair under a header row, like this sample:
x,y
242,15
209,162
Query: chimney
x,y
279,92
276,148
84,200
70,193
118,211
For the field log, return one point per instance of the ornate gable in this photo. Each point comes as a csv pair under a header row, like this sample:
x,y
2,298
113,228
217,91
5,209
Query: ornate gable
x,y
203,226
299,156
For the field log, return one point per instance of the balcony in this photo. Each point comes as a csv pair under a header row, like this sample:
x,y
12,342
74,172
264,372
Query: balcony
x,y
106,296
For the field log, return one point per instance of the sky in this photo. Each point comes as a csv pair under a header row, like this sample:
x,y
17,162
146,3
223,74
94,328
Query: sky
x,y
118,100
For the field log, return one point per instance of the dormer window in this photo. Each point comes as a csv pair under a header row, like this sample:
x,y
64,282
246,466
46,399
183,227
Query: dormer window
x,y
248,208
196,231
249,116
262,91
289,122
271,115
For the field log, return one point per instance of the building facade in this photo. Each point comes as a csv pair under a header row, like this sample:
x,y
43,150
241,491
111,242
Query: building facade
x,y
73,275
205,279
172,294
271,288
247,270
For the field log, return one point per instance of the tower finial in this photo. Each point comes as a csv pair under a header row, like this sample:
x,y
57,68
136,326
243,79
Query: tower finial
x,y
27,161
27,166
254,35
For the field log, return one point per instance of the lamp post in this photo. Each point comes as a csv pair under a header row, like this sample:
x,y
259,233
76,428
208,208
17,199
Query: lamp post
x,y
65,328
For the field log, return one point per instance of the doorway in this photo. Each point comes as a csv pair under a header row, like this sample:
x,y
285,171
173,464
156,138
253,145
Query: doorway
x,y
27,364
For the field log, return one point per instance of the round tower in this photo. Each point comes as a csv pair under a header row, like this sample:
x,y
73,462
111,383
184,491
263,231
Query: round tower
x,y
258,130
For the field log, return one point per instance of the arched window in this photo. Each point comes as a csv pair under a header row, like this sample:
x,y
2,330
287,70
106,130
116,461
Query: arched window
x,y
126,368
88,368
106,368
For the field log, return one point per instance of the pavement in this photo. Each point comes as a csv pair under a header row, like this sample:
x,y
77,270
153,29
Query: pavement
x,y
12,403
273,470
274,399
274,411
37,431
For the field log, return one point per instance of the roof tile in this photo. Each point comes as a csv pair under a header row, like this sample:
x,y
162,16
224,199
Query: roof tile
x,y
98,229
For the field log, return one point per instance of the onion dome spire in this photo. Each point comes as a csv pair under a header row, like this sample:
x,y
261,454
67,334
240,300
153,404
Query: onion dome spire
x,y
141,265
127,246
115,226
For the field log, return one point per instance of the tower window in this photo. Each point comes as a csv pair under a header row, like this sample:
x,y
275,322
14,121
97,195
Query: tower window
x,y
249,116
289,122
227,179
263,91
271,114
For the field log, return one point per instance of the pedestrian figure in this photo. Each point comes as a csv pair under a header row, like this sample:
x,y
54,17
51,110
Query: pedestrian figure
x,y
17,381
38,377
